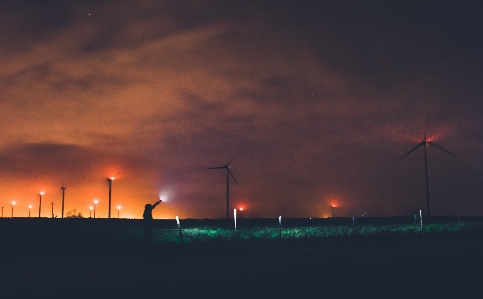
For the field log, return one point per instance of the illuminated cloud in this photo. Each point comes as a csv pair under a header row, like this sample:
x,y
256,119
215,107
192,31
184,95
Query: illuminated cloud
x,y
316,99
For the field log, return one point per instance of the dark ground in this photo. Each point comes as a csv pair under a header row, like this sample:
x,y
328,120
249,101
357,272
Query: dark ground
x,y
37,263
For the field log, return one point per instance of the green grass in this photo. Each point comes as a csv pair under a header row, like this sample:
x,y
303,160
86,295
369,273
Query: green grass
x,y
207,234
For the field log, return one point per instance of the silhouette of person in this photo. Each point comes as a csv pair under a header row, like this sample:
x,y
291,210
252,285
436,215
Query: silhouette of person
x,y
148,223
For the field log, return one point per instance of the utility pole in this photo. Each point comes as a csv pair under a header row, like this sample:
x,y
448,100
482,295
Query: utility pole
x,y
63,193
52,210
109,181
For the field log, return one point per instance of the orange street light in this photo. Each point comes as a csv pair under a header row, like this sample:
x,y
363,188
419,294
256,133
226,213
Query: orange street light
x,y
13,203
30,207
241,210
118,208
40,201
95,204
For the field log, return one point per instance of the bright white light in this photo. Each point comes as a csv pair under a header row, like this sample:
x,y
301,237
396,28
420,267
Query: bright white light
x,y
163,196
90,208
96,201
112,178
177,220
41,192
118,207
30,206
13,203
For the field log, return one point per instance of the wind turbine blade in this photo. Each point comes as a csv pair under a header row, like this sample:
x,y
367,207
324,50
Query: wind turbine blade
x,y
422,142
219,167
232,159
441,148
229,171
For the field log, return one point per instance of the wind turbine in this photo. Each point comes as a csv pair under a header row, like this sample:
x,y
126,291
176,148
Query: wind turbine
x,y
228,174
425,143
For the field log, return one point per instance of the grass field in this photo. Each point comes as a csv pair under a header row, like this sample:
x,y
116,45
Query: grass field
x,y
380,258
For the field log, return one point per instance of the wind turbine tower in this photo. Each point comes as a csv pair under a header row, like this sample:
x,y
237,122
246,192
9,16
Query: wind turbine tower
x,y
228,174
425,143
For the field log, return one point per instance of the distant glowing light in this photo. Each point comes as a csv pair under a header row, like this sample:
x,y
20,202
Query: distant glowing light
x,y
163,196
112,178
13,203
118,207
41,192
96,201
30,206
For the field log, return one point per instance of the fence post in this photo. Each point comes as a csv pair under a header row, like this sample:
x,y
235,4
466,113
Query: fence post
x,y
421,217
279,227
179,230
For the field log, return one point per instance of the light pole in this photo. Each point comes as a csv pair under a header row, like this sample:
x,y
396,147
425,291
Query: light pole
x,y
90,212
30,207
40,201
13,203
109,181
95,204
63,193
118,208
2,212
52,210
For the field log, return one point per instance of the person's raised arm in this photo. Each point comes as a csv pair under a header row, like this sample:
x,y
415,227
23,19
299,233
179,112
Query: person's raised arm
x,y
157,203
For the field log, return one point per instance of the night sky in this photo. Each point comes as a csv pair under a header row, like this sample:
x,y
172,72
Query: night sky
x,y
315,102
